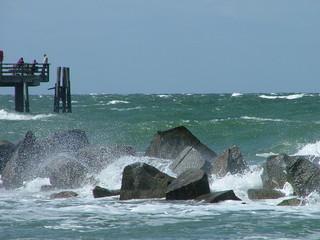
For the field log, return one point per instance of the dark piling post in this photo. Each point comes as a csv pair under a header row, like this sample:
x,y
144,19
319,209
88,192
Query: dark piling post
x,y
62,93
18,97
26,97
56,101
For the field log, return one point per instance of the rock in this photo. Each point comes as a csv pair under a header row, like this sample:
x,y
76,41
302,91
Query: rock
x,y
29,159
189,185
96,158
14,172
292,202
274,175
141,181
46,188
170,143
99,192
66,173
190,158
6,151
229,161
303,175
216,197
64,194
66,141
258,194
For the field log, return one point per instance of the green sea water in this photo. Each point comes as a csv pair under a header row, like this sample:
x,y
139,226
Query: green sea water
x,y
260,124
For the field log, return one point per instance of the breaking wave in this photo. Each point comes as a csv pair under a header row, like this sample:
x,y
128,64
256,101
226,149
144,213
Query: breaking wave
x,y
289,97
4,115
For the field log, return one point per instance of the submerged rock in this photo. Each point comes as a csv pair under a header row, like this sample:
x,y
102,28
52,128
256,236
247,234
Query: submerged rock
x,y
99,192
229,161
292,202
259,194
64,194
141,181
189,185
216,197
170,143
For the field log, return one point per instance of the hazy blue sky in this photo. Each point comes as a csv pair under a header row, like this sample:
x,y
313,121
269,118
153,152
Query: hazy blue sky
x,y
168,46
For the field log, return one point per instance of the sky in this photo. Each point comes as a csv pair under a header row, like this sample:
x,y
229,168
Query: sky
x,y
168,46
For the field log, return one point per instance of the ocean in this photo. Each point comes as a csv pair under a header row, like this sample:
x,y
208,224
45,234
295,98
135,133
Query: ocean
x,y
259,124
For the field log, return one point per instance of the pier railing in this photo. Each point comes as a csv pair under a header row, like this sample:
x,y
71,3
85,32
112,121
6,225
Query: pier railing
x,y
33,74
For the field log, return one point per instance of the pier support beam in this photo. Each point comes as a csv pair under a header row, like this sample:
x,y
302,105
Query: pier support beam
x,y
62,93
21,97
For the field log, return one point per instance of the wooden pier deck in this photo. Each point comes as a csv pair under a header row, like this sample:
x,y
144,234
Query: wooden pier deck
x,y
21,77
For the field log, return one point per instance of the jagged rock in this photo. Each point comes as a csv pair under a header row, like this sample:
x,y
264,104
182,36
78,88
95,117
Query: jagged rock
x,y
99,192
96,158
66,141
190,158
47,188
216,197
28,160
229,161
141,181
303,175
189,185
14,171
169,144
258,194
66,173
292,202
274,175
64,194
6,151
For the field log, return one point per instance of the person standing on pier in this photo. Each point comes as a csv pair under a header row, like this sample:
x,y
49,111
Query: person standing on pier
x,y
45,59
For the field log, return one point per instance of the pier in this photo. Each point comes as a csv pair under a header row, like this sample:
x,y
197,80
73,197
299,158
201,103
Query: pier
x,y
21,77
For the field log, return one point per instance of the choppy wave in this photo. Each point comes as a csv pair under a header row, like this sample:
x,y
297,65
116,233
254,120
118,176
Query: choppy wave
x,y
289,97
4,115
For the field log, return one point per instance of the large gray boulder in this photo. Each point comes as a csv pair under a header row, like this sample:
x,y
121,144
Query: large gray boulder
x,y
170,143
29,159
66,173
190,158
303,175
14,172
189,185
229,161
6,151
142,181
274,175
95,158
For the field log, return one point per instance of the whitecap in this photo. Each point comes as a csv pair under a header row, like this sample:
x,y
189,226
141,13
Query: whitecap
x,y
164,95
112,102
4,115
261,119
289,97
236,94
